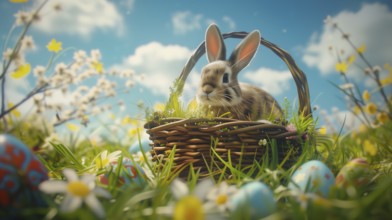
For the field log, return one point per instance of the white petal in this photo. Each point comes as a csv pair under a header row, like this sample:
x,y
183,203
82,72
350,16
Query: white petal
x,y
179,188
114,155
95,205
104,154
70,203
203,187
53,186
70,174
102,193
88,179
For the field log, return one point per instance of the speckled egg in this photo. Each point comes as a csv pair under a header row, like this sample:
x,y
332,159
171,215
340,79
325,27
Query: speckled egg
x,y
356,172
313,176
130,174
254,200
20,174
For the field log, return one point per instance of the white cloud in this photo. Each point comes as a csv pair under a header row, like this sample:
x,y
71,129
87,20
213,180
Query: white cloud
x,y
230,22
160,64
274,82
80,17
336,119
370,25
185,21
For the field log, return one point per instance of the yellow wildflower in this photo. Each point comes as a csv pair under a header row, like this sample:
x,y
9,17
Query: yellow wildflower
x,y
323,130
351,59
189,207
159,107
369,148
132,132
21,71
366,96
362,128
341,67
361,49
98,66
18,1
54,46
73,127
371,108
386,81
15,112
382,117
356,110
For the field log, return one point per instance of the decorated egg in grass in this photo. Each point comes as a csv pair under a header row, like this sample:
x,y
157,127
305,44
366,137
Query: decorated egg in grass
x,y
313,176
253,201
128,174
20,174
355,173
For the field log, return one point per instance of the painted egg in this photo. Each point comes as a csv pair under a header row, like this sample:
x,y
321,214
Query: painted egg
x,y
254,200
130,174
20,174
136,147
313,176
356,172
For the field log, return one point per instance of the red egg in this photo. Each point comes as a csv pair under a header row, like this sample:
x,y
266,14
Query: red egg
x,y
20,174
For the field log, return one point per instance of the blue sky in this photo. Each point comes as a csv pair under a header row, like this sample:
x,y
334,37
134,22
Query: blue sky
x,y
155,38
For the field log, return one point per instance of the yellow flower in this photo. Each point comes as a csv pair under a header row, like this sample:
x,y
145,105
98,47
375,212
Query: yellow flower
x,y
15,112
382,117
366,96
21,71
369,148
132,132
18,1
356,110
98,66
341,67
351,59
371,108
189,208
323,130
73,127
159,107
386,81
362,128
54,46
361,49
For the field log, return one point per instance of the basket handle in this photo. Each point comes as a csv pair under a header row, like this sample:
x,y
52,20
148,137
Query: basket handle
x,y
298,76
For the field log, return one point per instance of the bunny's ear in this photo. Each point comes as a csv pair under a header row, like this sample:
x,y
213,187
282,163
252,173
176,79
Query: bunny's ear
x,y
215,46
245,51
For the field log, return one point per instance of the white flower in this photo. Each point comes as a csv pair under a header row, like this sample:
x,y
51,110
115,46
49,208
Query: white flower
x,y
95,55
22,18
80,56
346,86
28,43
140,159
104,160
76,191
219,196
39,71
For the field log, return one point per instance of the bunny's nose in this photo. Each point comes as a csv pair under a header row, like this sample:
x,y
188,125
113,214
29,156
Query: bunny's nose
x,y
207,89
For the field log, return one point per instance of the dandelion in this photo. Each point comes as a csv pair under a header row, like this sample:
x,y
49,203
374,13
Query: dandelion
x,y
341,67
371,108
189,206
369,148
322,130
219,196
366,96
382,117
76,192
104,159
54,46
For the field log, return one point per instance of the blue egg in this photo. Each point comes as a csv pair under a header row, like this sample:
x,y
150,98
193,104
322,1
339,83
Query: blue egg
x,y
131,174
313,176
145,146
254,200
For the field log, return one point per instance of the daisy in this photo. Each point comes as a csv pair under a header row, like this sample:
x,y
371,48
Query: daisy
x,y
219,196
76,191
104,160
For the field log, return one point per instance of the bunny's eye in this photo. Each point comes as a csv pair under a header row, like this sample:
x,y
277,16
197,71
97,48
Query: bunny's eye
x,y
225,78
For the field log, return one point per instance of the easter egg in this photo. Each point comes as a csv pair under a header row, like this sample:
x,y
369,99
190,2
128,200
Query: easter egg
x,y
356,172
145,146
130,174
254,200
313,176
20,174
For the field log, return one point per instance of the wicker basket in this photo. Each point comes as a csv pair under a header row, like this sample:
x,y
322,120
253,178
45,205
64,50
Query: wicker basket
x,y
206,144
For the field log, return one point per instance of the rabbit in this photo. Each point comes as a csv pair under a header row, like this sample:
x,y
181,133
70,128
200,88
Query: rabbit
x,y
220,92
